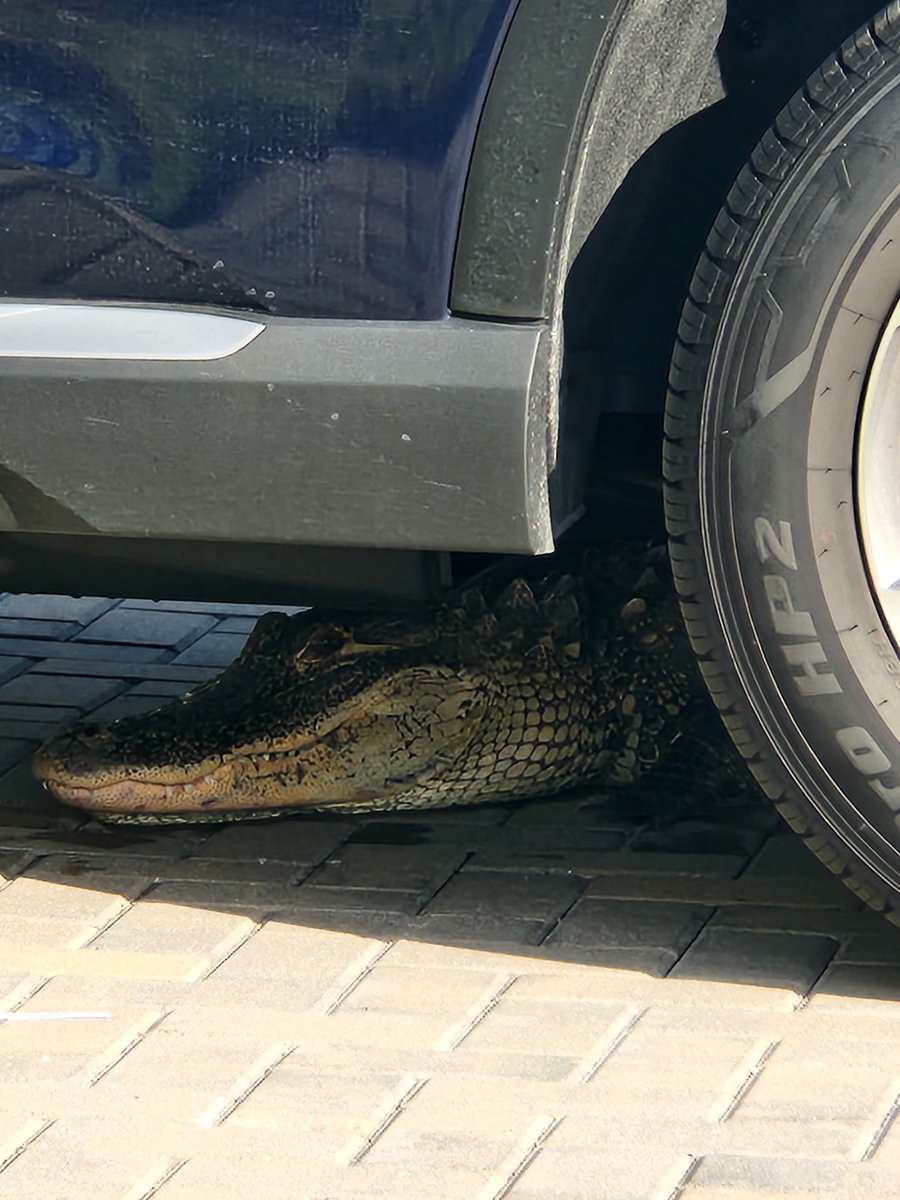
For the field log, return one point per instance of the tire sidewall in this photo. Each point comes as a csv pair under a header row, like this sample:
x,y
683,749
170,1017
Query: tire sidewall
x,y
802,318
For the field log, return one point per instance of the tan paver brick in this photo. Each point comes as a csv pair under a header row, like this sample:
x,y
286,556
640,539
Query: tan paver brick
x,y
763,1177
81,1159
40,912
154,927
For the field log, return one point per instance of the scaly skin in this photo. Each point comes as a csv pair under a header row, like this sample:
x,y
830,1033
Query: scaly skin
x,y
510,693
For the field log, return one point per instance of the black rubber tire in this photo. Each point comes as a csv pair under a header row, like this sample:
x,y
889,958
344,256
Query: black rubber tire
x,y
787,306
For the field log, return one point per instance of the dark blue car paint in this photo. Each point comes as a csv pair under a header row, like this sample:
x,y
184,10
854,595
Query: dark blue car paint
x,y
303,157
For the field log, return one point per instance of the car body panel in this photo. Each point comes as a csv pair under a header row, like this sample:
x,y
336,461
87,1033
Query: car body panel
x,y
299,157
398,435
451,431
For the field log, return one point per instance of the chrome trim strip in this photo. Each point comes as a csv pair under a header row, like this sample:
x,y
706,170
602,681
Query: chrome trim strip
x,y
104,331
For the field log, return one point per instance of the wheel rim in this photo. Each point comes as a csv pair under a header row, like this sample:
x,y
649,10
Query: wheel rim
x,y
878,474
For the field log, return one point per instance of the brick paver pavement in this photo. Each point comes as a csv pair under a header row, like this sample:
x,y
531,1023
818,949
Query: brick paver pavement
x,y
583,999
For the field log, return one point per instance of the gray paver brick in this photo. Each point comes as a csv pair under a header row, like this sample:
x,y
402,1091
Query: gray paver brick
x,y
488,929
70,691
98,868
700,837
29,728
671,862
13,750
260,897
124,706
630,923
785,919
539,897
82,609
199,606
296,840
13,863
159,687
490,853
787,960
122,669
243,625
67,833
879,946
81,652
12,627
11,666
419,869
36,712
212,650
783,856
147,628
853,986
820,891
338,899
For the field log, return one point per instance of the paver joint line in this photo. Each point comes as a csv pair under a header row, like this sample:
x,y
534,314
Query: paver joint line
x,y
520,1158
228,946
869,1143
114,1053
605,1046
477,1012
19,1143
148,1185
109,916
351,979
221,1108
739,1085
677,1179
26,990
381,1120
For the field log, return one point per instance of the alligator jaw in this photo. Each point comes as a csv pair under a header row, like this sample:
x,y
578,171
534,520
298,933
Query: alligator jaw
x,y
77,768
205,794
81,768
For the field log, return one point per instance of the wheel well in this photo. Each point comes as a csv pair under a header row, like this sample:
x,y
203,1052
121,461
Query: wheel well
x,y
628,281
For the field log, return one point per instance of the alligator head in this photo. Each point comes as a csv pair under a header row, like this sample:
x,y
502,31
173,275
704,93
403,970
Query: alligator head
x,y
509,689
313,713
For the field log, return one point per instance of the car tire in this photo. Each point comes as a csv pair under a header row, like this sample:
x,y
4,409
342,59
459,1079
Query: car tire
x,y
782,462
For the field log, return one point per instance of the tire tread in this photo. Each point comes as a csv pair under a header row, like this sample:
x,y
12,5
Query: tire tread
x,y
827,91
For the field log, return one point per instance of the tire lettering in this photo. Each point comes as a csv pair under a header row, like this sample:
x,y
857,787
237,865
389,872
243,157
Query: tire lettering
x,y
869,759
863,751
791,622
810,682
779,546
788,621
890,795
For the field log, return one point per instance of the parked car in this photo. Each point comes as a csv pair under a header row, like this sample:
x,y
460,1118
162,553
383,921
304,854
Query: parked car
x,y
334,299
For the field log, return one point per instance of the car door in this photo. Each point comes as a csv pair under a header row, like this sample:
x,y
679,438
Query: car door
x,y
293,157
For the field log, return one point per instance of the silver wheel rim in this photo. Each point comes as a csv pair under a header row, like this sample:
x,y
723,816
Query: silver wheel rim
x,y
878,474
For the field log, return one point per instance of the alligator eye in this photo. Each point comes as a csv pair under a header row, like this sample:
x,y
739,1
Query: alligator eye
x,y
323,643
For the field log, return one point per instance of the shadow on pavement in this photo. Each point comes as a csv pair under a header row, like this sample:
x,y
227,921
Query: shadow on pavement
x,y
717,890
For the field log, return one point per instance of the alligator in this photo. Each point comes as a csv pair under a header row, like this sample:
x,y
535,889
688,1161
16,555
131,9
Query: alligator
x,y
511,688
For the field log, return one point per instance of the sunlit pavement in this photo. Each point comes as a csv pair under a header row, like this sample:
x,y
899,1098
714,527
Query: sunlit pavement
x,y
561,1000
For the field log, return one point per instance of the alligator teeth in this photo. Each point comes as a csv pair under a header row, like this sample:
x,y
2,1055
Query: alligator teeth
x,y
188,788
208,779
266,757
170,791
